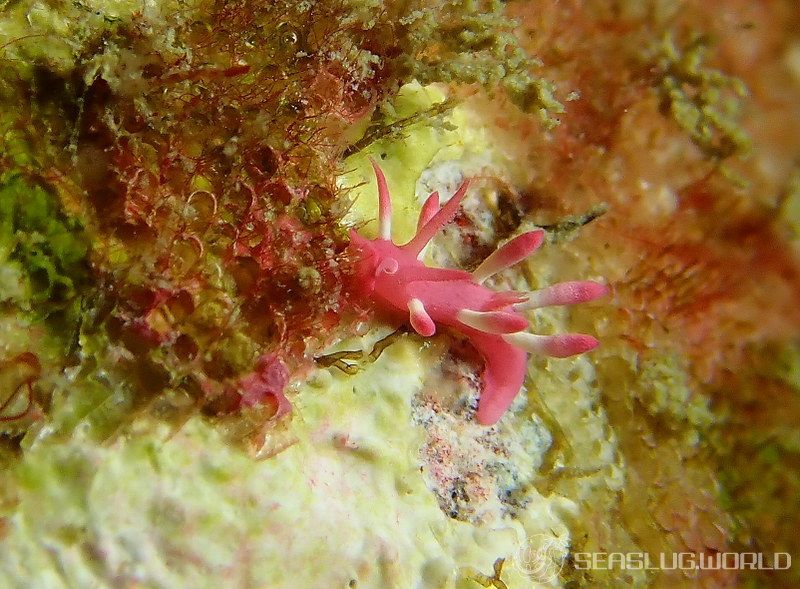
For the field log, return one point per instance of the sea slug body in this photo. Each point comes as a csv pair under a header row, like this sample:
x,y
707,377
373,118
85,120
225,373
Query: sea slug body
x,y
393,280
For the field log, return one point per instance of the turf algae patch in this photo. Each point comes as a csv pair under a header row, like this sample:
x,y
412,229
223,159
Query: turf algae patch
x,y
45,275
45,249
704,101
474,42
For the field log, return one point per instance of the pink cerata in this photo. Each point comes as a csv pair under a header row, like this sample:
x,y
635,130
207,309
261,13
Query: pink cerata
x,y
393,280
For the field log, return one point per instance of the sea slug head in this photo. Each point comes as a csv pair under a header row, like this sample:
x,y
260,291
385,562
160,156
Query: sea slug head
x,y
377,262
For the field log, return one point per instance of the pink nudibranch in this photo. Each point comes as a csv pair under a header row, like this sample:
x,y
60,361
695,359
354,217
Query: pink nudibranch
x,y
392,279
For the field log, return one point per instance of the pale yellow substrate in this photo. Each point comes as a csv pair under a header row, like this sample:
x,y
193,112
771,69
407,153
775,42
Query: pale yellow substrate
x,y
469,139
346,501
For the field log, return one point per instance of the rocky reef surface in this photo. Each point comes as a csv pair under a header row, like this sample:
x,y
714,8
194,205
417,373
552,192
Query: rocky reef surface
x,y
189,395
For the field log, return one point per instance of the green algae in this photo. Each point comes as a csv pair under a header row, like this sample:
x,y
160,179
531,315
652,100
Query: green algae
x,y
704,101
43,248
56,34
391,127
238,351
474,42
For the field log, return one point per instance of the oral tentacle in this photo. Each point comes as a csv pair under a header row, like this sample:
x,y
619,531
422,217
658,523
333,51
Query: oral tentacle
x,y
492,321
564,293
558,346
509,254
